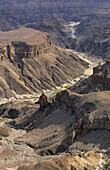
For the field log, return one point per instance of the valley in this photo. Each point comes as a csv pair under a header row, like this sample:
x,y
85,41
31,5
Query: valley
x,y
51,93
54,85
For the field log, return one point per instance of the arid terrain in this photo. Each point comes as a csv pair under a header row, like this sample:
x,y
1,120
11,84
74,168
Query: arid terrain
x,y
72,128
18,12
55,85
29,63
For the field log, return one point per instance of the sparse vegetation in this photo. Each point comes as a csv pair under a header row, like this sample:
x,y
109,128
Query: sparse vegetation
x,y
57,91
66,87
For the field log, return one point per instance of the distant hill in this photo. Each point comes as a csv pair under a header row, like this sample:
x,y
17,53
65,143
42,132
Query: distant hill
x,y
93,34
56,30
4,25
20,12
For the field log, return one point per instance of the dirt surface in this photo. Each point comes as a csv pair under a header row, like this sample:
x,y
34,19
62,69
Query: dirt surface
x,y
27,35
56,128
30,69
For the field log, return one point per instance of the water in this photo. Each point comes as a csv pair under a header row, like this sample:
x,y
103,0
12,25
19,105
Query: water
x,y
71,27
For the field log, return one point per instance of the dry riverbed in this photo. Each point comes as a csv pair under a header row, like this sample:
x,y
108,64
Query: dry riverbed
x,y
93,62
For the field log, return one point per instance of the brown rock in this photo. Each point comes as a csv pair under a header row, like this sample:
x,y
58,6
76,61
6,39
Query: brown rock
x,y
69,161
3,132
30,63
69,140
43,101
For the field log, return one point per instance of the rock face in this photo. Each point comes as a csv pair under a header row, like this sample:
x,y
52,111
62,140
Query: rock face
x,y
99,81
74,122
92,33
56,30
94,36
29,63
85,113
67,162
43,101
22,12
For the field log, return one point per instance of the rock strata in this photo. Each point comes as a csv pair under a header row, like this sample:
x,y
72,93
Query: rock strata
x,y
67,124
43,101
99,81
30,63
68,161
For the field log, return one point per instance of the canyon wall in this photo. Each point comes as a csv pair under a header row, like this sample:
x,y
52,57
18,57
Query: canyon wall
x,y
30,63
19,13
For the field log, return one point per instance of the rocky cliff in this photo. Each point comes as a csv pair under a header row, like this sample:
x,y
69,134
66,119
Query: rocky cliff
x,y
93,36
71,131
29,63
99,81
72,123
56,30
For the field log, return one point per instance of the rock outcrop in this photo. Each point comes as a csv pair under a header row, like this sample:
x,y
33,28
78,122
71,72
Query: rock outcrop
x,y
43,101
30,63
74,122
93,36
88,160
99,81
23,43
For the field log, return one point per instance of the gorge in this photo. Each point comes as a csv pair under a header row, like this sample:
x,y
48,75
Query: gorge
x,y
54,85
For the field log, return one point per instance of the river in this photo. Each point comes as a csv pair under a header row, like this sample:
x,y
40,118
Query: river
x,y
71,28
93,62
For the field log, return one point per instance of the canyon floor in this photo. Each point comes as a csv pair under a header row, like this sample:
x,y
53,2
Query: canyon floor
x,y
72,128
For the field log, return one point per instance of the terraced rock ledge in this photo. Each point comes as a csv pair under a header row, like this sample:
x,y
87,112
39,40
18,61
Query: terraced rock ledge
x,y
29,63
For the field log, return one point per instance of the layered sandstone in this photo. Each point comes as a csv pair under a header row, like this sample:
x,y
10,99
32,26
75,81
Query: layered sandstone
x,y
23,43
99,81
73,122
29,63
69,161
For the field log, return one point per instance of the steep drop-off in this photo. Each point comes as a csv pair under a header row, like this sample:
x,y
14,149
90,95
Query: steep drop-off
x,y
29,63
93,36
56,30
99,81
71,131
71,123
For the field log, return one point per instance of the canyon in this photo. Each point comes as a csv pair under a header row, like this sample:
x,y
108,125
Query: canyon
x,y
19,13
72,128
30,63
54,85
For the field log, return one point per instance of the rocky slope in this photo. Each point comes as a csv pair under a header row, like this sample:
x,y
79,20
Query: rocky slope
x,y
4,25
99,81
55,128
88,160
56,30
92,33
29,63
21,12
71,131
93,36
